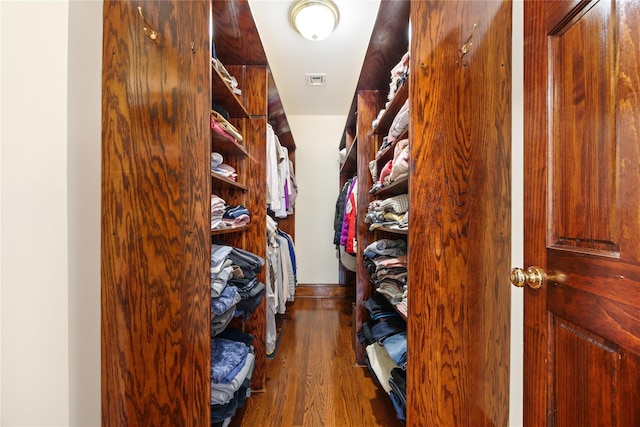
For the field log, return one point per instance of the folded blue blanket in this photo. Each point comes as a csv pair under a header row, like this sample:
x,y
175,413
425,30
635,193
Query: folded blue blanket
x,y
228,298
226,355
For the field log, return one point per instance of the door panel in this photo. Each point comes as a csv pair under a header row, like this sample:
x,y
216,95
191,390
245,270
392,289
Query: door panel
x,y
596,361
583,153
582,215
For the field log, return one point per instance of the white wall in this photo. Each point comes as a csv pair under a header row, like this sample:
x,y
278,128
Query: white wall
x,y
35,354
84,195
317,175
0,214
49,221
517,213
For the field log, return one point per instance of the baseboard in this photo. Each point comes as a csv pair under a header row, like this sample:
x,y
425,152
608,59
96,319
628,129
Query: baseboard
x,y
325,291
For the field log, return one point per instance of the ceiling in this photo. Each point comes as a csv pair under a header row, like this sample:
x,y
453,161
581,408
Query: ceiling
x,y
339,57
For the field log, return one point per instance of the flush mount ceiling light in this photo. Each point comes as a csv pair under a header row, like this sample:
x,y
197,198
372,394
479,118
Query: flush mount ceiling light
x,y
314,19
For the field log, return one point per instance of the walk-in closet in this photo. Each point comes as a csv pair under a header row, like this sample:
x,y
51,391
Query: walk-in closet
x,y
193,128
213,215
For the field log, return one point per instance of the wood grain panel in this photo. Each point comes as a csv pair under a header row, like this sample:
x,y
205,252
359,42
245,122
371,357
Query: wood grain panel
x,y
368,106
535,220
628,102
288,225
459,225
579,403
256,87
235,34
614,320
584,154
256,202
628,408
155,214
596,275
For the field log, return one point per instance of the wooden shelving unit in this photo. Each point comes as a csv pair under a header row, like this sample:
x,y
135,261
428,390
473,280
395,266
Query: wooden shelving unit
x,y
156,195
459,205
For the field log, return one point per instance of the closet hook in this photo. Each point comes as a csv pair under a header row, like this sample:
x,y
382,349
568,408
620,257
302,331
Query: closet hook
x,y
148,31
467,45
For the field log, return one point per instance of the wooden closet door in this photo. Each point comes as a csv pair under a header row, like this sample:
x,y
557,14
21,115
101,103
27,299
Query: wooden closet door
x,y
155,214
582,221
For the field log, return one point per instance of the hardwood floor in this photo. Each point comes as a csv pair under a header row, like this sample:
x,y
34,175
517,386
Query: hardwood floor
x,y
313,380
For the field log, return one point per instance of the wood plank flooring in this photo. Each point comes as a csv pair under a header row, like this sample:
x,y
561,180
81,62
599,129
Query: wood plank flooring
x,y
313,380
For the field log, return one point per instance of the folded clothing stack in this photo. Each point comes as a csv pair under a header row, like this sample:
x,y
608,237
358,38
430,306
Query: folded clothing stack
x,y
398,393
400,123
223,309
225,132
394,170
222,124
234,284
223,298
399,75
224,216
236,216
385,338
218,206
223,169
232,364
391,212
235,289
400,162
386,261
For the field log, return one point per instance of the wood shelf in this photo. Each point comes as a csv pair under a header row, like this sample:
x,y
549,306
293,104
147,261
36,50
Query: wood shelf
x,y
351,161
241,229
404,231
387,154
393,189
228,182
222,95
392,109
226,146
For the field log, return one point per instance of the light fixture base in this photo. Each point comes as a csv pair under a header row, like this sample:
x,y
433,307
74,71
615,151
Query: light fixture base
x,y
314,19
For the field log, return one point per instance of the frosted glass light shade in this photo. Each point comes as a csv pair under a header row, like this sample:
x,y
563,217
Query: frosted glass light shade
x,y
314,19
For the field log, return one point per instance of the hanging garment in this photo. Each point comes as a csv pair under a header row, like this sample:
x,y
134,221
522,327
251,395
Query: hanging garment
x,y
339,212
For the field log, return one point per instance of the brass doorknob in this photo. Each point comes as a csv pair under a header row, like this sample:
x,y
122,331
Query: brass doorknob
x,y
534,277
